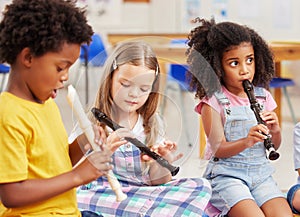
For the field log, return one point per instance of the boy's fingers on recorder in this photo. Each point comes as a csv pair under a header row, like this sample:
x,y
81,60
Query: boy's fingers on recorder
x,y
94,165
100,135
101,160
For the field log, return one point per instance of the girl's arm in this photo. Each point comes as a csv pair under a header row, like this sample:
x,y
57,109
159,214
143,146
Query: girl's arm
x,y
214,131
158,174
30,191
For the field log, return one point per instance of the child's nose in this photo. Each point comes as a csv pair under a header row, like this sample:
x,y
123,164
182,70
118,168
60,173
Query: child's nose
x,y
244,69
65,76
133,92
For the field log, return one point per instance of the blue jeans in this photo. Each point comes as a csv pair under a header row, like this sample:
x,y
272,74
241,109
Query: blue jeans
x,y
86,213
290,197
246,175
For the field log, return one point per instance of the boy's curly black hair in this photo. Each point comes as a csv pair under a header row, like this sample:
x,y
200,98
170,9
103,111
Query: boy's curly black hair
x,y
207,43
42,26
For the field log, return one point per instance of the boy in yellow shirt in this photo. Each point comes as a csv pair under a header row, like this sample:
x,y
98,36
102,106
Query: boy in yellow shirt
x,y
41,39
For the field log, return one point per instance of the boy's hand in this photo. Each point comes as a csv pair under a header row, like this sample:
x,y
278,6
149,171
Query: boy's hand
x,y
99,138
95,164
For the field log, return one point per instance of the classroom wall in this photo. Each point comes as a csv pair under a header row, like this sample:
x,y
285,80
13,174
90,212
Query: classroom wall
x,y
273,19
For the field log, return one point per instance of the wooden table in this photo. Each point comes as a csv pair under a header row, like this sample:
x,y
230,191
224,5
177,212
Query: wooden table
x,y
176,54
283,51
159,38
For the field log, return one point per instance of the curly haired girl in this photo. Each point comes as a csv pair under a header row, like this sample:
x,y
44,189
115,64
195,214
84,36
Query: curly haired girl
x,y
221,56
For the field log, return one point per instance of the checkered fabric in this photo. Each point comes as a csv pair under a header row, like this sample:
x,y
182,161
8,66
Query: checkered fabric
x,y
181,197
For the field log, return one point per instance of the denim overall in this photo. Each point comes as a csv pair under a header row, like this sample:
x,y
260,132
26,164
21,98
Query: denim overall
x,y
246,175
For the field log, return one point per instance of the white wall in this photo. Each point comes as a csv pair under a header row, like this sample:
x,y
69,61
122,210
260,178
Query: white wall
x,y
164,16
167,16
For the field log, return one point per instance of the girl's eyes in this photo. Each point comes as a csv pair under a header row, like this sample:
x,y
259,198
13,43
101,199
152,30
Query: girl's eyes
x,y
125,84
143,88
250,60
235,63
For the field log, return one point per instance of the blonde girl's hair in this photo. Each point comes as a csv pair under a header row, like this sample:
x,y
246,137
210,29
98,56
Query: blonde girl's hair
x,y
137,53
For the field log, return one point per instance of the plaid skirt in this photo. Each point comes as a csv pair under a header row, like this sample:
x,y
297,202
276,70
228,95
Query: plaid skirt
x,y
180,197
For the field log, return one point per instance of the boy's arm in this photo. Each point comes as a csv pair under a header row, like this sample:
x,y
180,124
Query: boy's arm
x,y
76,150
27,192
30,191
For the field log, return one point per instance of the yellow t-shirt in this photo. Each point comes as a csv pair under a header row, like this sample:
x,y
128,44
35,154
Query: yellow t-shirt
x,y
34,145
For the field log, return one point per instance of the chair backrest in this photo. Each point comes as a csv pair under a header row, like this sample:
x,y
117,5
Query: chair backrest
x,y
4,69
278,82
94,53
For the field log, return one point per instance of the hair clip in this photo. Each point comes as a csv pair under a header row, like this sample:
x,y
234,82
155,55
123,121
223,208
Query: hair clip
x,y
156,71
115,66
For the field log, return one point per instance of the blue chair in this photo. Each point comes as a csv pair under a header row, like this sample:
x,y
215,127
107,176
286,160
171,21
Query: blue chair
x,y
284,83
93,54
177,75
177,72
4,70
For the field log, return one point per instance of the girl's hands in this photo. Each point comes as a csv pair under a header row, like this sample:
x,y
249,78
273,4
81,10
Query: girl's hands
x,y
113,141
271,120
158,174
117,138
271,127
256,134
166,150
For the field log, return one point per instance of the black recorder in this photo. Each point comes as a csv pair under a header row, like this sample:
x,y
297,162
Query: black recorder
x,y
101,117
248,88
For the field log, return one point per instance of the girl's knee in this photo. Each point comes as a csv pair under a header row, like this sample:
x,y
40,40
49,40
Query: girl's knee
x,y
293,198
296,200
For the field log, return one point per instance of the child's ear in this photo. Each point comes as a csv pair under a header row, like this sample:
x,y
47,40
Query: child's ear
x,y
26,57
